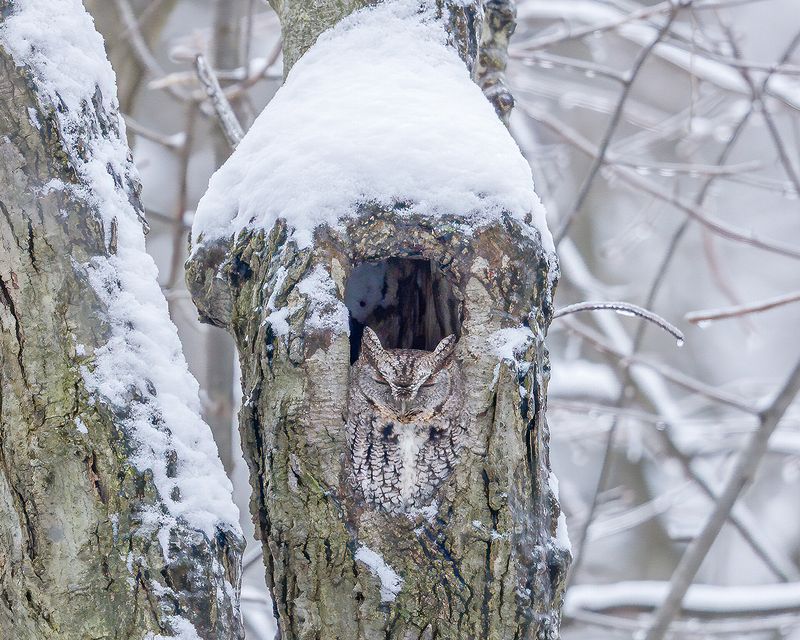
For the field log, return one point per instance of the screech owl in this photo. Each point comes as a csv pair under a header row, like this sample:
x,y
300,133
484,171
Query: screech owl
x,y
405,422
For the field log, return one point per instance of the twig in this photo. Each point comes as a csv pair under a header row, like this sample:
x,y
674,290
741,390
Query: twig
x,y
140,48
178,233
548,61
647,186
225,116
602,149
743,473
709,315
702,599
691,628
624,308
666,372
173,142
640,14
758,97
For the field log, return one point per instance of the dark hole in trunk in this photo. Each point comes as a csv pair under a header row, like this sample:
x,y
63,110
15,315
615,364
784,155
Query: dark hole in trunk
x,y
408,302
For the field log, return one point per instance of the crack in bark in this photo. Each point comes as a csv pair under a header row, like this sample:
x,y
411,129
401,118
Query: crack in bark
x,y
9,303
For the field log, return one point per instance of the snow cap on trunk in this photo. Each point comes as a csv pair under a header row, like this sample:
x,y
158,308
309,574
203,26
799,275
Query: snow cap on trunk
x,y
380,110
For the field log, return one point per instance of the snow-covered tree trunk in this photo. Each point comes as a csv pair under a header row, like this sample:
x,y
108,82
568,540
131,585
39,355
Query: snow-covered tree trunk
x,y
379,189
116,519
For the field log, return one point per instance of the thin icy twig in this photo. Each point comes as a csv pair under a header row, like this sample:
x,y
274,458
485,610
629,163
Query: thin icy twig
x,y
710,315
625,308
140,47
632,178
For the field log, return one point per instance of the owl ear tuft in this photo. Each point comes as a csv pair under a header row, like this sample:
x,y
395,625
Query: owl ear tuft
x,y
371,346
443,351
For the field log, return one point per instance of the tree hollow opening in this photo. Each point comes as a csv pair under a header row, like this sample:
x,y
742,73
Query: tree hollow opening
x,y
408,302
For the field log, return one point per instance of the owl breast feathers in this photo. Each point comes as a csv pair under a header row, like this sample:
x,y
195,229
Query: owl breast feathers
x,y
405,426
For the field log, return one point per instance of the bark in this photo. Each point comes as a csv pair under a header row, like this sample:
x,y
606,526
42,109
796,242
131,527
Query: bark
x,y
484,561
487,564
77,559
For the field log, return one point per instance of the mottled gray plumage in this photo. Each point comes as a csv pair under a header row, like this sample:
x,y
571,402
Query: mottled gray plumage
x,y
405,426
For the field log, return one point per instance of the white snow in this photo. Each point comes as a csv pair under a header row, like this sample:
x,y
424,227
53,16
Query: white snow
x,y
80,425
379,110
700,597
184,630
391,583
140,372
562,534
327,310
510,344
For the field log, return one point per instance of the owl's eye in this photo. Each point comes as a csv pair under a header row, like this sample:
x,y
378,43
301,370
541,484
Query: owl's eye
x,y
380,381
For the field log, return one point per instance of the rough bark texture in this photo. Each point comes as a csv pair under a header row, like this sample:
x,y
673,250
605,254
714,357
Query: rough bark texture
x,y
486,564
499,22
76,560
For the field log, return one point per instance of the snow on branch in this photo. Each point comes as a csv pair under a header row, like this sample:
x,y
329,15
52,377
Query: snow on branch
x,y
140,373
702,599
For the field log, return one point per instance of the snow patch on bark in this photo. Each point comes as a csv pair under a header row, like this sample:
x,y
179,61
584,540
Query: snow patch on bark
x,y
391,583
327,310
511,344
184,630
379,111
562,534
140,373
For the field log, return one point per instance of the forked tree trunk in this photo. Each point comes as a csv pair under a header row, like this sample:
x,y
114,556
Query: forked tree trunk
x,y
90,543
485,559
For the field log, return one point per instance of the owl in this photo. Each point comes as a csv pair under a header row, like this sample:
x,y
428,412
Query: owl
x,y
405,422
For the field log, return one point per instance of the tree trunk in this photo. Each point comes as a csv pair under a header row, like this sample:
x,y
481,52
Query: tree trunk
x,y
103,531
485,559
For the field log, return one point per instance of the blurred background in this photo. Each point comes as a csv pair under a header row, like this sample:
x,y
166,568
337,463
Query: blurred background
x,y
664,142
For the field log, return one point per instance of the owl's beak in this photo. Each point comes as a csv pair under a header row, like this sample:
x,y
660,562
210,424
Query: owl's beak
x,y
403,411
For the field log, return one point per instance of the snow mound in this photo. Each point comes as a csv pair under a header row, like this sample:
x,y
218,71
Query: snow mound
x,y
380,110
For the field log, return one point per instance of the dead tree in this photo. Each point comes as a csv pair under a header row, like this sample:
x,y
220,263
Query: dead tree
x,y
484,558
115,520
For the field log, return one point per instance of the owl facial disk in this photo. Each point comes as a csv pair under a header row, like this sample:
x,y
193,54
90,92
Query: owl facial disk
x,y
405,378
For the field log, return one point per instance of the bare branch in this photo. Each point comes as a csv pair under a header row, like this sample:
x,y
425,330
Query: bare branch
x,y
702,599
632,178
710,315
668,373
140,48
222,108
743,473
623,308
616,117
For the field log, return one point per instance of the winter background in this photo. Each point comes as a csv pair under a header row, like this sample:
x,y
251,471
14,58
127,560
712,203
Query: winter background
x,y
666,153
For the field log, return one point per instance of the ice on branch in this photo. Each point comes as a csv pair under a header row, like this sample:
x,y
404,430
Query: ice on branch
x,y
380,110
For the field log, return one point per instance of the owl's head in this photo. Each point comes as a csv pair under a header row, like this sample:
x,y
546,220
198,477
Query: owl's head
x,y
415,379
